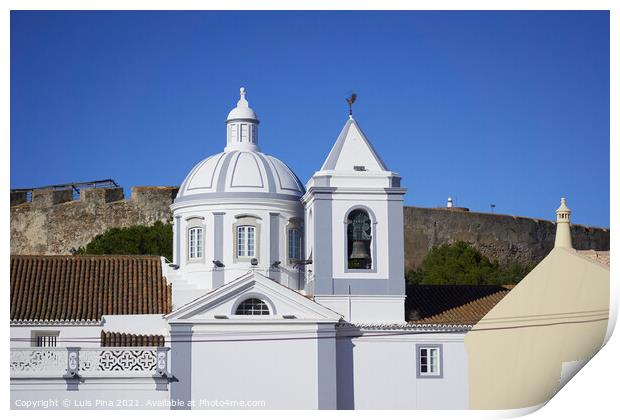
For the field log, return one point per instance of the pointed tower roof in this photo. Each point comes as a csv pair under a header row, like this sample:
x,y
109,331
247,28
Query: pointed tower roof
x,y
353,149
563,207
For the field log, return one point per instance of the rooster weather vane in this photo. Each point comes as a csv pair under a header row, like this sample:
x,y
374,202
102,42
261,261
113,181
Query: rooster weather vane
x,y
350,102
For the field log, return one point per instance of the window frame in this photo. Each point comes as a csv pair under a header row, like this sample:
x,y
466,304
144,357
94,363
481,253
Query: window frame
x,y
290,244
294,223
199,246
256,300
191,223
245,243
52,337
439,359
245,220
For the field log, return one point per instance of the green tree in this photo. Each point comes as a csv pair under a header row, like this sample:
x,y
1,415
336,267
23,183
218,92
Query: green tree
x,y
134,240
461,263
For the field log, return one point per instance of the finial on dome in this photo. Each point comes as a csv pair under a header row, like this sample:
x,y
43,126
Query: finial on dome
x,y
242,101
242,111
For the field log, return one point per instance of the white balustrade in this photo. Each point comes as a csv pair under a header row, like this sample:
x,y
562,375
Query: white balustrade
x,y
89,362
39,362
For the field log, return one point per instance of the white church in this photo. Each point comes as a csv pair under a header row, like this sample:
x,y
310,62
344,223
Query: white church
x,y
278,296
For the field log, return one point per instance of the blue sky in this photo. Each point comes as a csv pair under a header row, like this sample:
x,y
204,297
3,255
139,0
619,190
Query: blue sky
x,y
509,108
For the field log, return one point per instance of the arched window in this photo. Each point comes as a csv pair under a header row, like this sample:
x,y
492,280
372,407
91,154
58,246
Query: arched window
x,y
359,238
195,243
294,244
252,306
246,241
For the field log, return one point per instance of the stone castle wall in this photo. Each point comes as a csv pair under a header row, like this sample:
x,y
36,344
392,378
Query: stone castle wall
x,y
53,223
503,238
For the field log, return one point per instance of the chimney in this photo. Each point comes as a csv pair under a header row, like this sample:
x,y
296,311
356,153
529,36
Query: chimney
x,y
562,231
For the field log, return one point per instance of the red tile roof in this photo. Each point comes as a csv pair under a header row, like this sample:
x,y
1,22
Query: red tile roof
x,y
86,287
116,339
451,304
602,257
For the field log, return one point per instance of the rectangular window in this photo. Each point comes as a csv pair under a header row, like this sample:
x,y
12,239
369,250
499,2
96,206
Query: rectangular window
x,y
195,243
294,244
246,241
244,133
429,361
45,339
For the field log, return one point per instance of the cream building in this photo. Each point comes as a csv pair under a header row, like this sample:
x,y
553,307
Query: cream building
x,y
553,321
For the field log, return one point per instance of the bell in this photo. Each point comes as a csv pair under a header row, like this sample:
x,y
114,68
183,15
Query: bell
x,y
359,250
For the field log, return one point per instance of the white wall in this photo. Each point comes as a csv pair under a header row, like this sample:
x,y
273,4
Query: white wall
x,y
379,372
85,335
280,365
102,393
69,335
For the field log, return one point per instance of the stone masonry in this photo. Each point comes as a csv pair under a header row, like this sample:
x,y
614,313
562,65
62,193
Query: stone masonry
x,y
503,238
53,223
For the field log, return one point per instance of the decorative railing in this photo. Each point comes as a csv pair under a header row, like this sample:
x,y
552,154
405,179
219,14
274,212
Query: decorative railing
x,y
39,362
89,362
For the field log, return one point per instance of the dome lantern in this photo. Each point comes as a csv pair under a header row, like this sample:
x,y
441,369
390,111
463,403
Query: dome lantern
x,y
242,126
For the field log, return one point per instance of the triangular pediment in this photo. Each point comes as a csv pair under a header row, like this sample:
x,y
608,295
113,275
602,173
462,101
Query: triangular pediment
x,y
352,148
284,304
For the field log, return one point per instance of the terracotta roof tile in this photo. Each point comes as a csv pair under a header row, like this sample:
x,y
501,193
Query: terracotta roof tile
x,y
116,339
603,257
449,304
63,287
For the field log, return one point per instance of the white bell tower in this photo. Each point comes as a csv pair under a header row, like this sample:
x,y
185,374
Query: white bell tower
x,y
354,232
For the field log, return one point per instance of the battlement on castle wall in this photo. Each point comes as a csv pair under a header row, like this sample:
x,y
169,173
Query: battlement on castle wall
x,y
42,198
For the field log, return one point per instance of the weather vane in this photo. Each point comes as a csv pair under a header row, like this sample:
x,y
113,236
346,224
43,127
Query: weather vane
x,y
350,102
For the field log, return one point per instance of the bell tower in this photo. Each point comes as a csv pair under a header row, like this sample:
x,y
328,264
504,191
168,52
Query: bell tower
x,y
354,232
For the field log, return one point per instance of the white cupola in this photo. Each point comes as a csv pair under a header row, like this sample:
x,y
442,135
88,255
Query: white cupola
x,y
237,210
562,233
242,126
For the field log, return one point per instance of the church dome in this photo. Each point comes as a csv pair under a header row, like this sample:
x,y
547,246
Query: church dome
x,y
241,170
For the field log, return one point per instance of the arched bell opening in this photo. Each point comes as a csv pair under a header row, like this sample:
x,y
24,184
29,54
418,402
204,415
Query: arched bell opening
x,y
359,239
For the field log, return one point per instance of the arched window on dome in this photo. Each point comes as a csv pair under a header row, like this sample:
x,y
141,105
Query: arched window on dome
x,y
246,241
252,306
246,238
359,238
196,241
195,236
